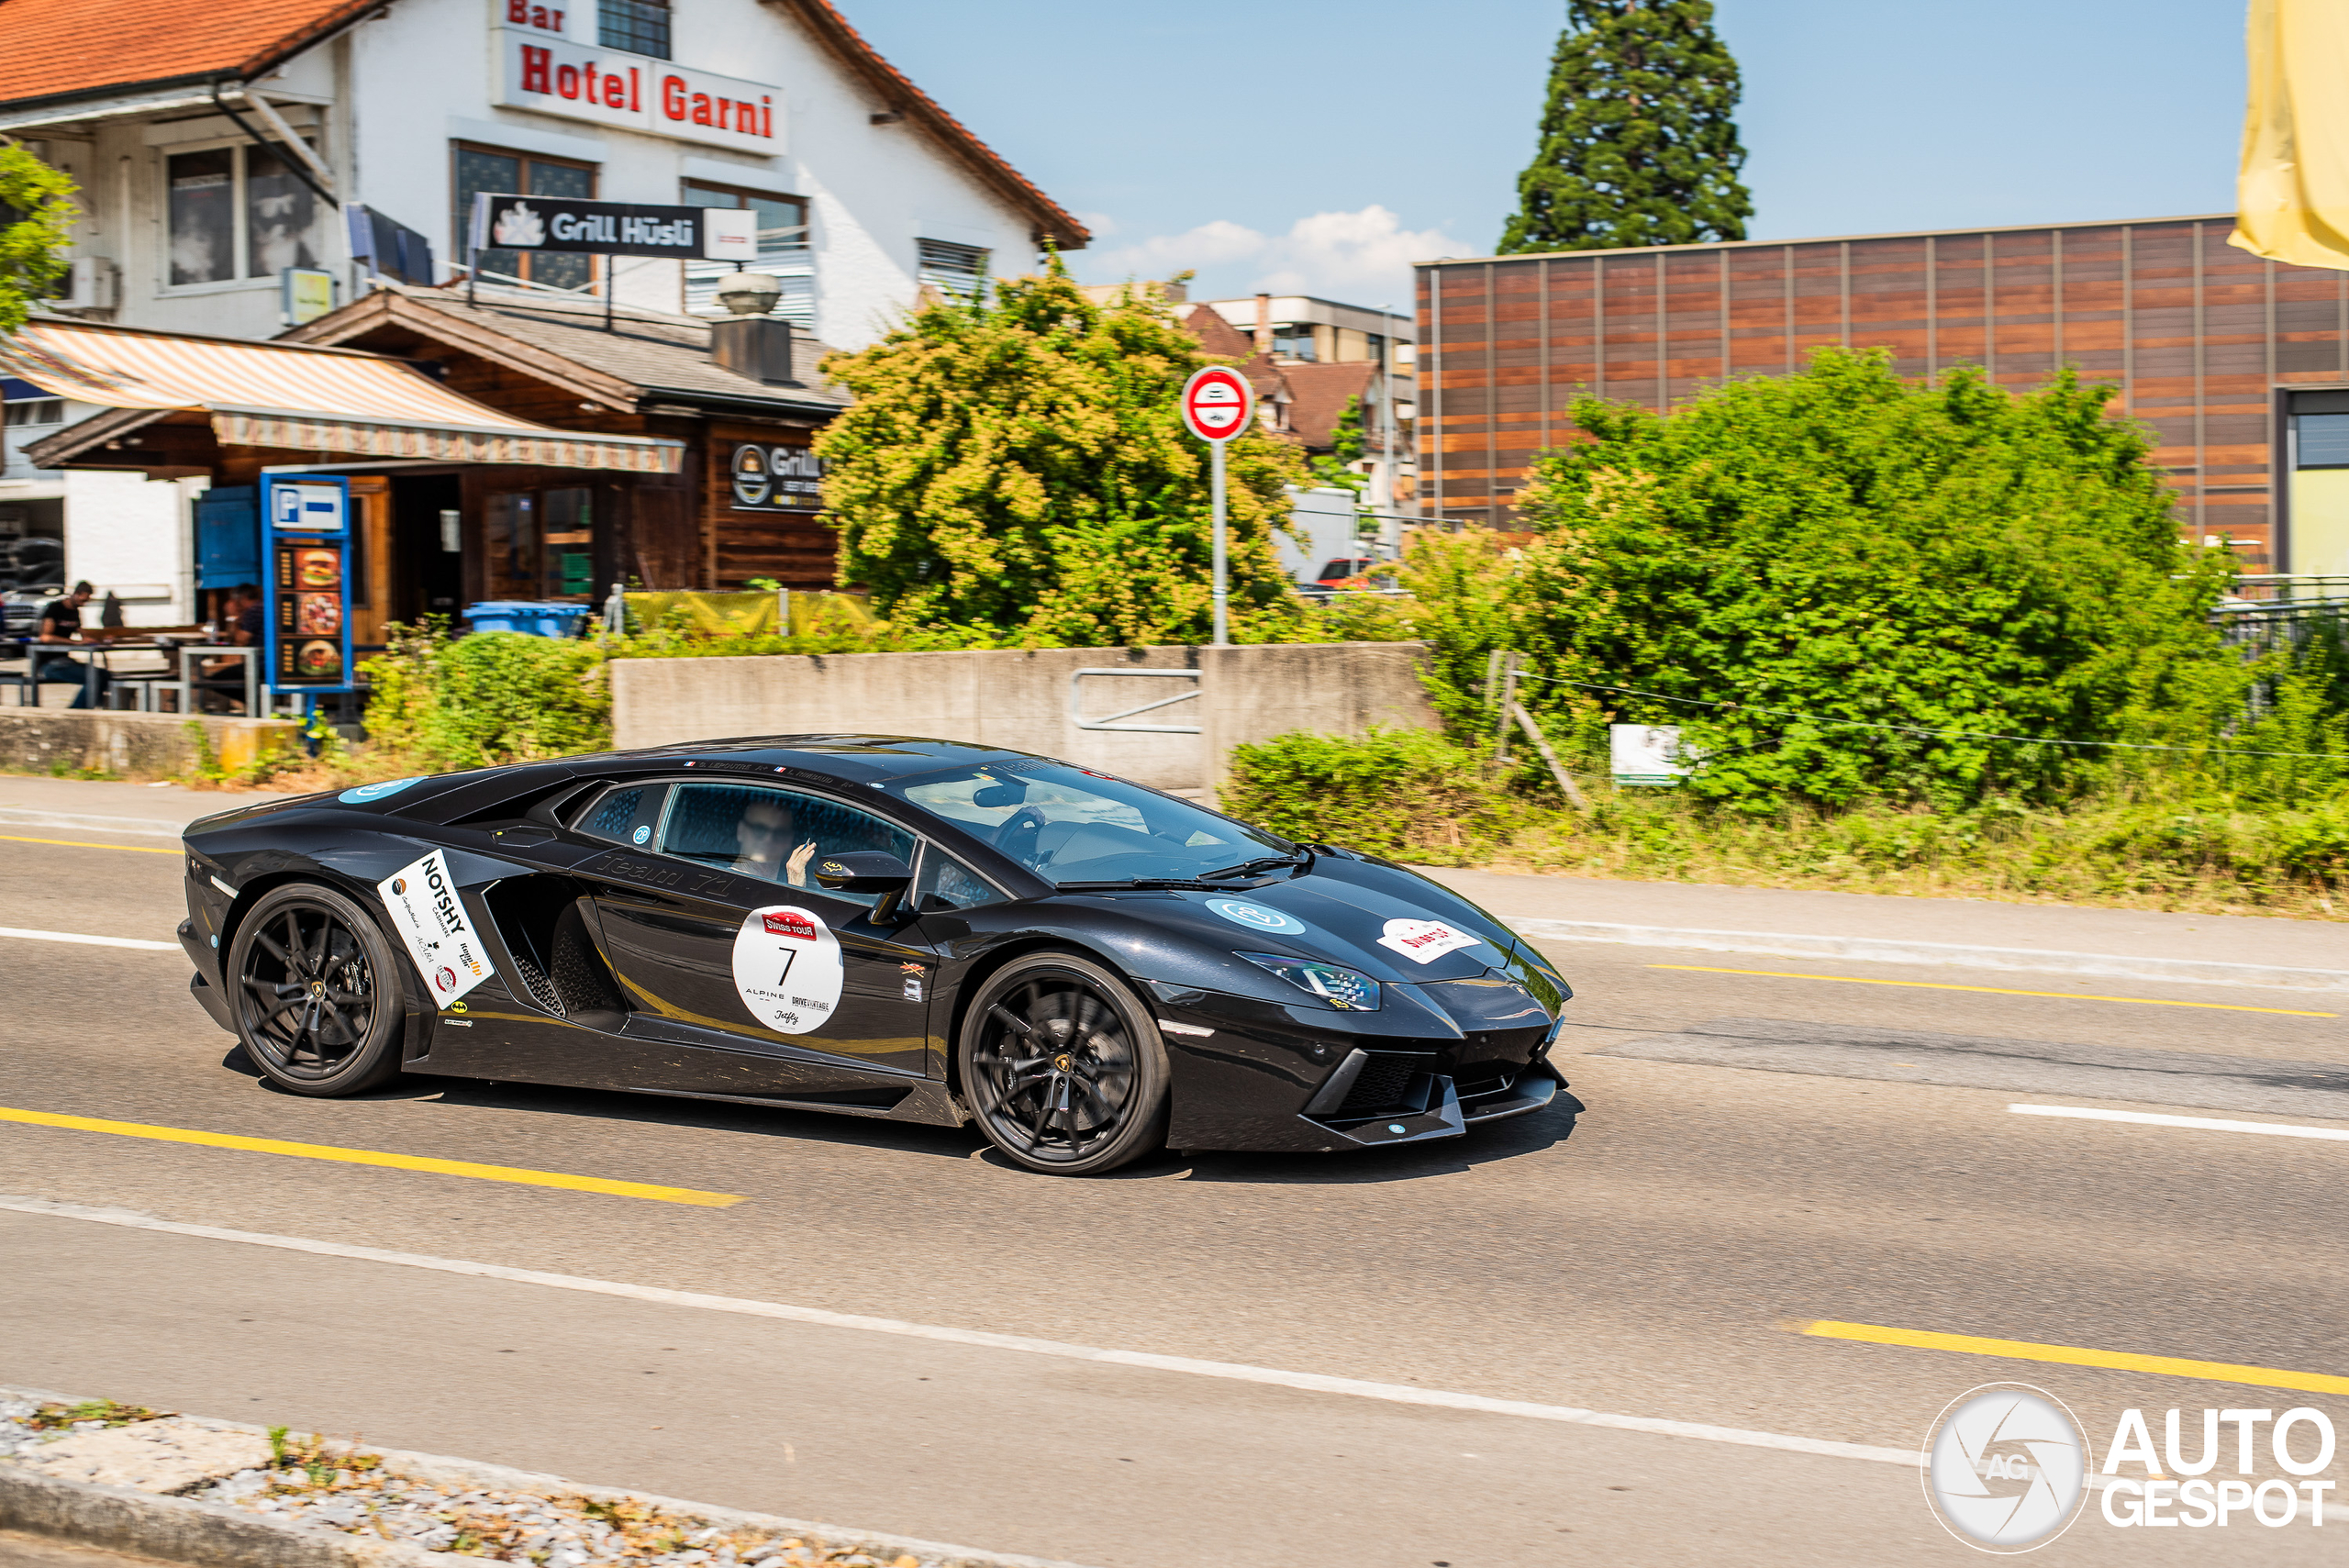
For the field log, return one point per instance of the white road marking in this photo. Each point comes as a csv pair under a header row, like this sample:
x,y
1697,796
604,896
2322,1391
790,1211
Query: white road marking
x,y
138,827
2200,1123
1314,1383
93,941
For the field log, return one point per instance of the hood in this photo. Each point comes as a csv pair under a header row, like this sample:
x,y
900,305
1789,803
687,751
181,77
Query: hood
x,y
1389,923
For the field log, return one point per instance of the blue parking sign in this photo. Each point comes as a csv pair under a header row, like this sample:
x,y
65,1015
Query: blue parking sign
x,y
306,506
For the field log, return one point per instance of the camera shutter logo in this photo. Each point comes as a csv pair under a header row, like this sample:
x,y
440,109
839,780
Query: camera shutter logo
x,y
2006,1468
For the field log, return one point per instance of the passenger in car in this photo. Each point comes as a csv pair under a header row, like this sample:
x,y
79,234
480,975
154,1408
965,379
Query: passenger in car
x,y
765,831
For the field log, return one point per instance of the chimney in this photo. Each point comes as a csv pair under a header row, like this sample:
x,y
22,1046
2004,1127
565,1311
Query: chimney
x,y
1264,325
756,346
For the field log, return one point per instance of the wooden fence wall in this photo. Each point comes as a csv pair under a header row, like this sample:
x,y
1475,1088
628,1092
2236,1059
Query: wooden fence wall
x,y
2197,336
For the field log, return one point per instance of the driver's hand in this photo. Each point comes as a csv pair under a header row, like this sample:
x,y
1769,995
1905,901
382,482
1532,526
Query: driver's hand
x,y
795,870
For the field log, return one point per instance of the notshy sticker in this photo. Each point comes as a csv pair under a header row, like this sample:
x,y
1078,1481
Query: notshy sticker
x,y
432,920
788,968
1424,942
1255,917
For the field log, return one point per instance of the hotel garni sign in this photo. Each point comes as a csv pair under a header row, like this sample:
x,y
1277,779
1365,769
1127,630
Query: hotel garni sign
x,y
541,67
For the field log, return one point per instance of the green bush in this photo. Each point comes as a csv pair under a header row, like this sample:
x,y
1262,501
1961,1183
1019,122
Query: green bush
x,y
1393,791
1840,559
447,703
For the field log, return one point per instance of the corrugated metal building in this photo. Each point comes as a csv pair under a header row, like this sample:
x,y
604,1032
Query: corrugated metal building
x,y
2240,364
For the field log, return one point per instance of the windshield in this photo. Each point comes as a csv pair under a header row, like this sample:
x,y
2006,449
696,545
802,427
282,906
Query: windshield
x,y
1071,825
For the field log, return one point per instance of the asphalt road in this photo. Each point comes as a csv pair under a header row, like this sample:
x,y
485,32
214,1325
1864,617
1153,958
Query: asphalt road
x,y
1644,1260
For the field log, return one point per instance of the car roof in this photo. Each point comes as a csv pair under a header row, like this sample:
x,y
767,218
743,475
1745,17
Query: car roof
x,y
861,759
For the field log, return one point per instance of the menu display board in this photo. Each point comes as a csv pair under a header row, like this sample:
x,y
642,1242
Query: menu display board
x,y
306,588
772,478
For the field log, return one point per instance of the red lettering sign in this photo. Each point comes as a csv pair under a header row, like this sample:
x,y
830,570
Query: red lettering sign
x,y
766,118
517,11
566,81
797,926
673,97
632,103
701,109
534,69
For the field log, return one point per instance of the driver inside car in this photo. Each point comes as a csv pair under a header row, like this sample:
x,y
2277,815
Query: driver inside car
x,y
765,832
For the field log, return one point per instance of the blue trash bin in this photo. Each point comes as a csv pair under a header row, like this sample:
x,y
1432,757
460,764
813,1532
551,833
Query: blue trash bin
x,y
532,617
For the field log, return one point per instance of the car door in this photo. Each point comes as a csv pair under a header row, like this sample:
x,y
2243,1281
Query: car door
x,y
730,952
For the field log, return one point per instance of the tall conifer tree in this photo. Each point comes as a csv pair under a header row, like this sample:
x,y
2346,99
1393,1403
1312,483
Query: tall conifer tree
x,y
1637,147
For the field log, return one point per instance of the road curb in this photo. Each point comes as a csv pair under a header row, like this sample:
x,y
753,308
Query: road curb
x,y
220,1535
1880,950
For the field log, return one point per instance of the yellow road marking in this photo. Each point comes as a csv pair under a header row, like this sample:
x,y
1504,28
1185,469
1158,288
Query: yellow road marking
x,y
2074,1355
1995,990
79,844
374,1157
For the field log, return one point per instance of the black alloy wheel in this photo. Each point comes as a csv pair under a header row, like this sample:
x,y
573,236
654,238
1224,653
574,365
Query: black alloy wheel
x,y
317,997
1063,1067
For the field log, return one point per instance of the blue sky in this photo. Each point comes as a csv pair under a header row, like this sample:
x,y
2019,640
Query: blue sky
x,y
1321,147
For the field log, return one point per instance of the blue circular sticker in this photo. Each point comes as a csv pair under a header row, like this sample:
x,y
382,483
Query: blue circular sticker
x,y
639,835
1255,917
366,792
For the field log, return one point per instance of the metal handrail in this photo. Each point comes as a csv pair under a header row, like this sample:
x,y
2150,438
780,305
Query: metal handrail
x,y
1109,720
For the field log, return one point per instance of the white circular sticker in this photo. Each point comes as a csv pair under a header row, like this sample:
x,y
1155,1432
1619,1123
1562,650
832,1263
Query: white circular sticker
x,y
1255,917
788,968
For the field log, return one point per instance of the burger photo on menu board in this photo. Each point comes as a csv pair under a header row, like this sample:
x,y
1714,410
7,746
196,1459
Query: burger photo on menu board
x,y
318,660
318,569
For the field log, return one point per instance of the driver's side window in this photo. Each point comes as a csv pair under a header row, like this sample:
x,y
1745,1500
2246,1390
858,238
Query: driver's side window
x,y
773,835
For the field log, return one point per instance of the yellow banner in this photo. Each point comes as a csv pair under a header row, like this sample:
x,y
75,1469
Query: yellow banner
x,y
2292,195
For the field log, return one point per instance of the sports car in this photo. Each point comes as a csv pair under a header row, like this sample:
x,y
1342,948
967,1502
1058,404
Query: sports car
x,y
916,929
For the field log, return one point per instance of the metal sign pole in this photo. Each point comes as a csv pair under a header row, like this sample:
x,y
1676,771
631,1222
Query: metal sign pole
x,y
1222,626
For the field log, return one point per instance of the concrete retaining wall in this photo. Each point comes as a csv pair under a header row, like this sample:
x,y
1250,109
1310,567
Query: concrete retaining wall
x,y
1019,698
135,745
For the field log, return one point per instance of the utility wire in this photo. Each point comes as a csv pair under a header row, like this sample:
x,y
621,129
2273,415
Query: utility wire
x,y
1913,729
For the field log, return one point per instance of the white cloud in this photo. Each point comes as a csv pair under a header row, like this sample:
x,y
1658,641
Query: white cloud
x,y
1361,258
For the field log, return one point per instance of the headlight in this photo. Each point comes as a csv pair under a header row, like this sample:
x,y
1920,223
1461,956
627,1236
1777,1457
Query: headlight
x,y
1341,988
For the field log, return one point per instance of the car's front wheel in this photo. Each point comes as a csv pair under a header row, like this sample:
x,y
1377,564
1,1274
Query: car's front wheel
x,y
316,990
1063,1067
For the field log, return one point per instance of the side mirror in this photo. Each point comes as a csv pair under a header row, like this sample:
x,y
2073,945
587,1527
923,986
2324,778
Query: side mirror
x,y
862,870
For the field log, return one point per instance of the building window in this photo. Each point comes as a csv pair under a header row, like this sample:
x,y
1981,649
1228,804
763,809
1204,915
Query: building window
x,y
783,252
958,272
640,27
37,411
238,212
1294,341
2323,440
540,544
522,175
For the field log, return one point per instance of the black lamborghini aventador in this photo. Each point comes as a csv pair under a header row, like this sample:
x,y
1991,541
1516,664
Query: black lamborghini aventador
x,y
906,929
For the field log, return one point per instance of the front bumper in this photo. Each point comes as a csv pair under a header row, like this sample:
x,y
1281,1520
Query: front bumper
x,y
1257,1075
199,984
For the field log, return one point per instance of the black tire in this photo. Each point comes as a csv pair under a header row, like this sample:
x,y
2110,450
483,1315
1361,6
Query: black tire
x,y
315,987
1062,1066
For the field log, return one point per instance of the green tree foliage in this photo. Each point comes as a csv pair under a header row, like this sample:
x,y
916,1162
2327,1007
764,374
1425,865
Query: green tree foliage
x,y
1638,146
37,213
1016,467
1346,447
1852,550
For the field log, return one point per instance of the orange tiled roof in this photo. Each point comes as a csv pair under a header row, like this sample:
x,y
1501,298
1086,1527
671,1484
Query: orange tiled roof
x,y
58,47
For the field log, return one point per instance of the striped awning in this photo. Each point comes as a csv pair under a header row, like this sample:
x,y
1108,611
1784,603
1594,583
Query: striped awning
x,y
306,399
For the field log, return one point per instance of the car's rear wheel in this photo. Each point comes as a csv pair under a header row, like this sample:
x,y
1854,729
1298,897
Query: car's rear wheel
x,y
317,991
1063,1067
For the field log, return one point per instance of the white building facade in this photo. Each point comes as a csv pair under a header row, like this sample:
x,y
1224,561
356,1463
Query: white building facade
x,y
217,156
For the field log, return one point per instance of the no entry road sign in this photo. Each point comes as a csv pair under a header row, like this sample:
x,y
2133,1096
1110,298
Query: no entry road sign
x,y
1217,403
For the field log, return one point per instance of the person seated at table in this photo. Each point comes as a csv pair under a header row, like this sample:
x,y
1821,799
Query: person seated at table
x,y
60,621
242,620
